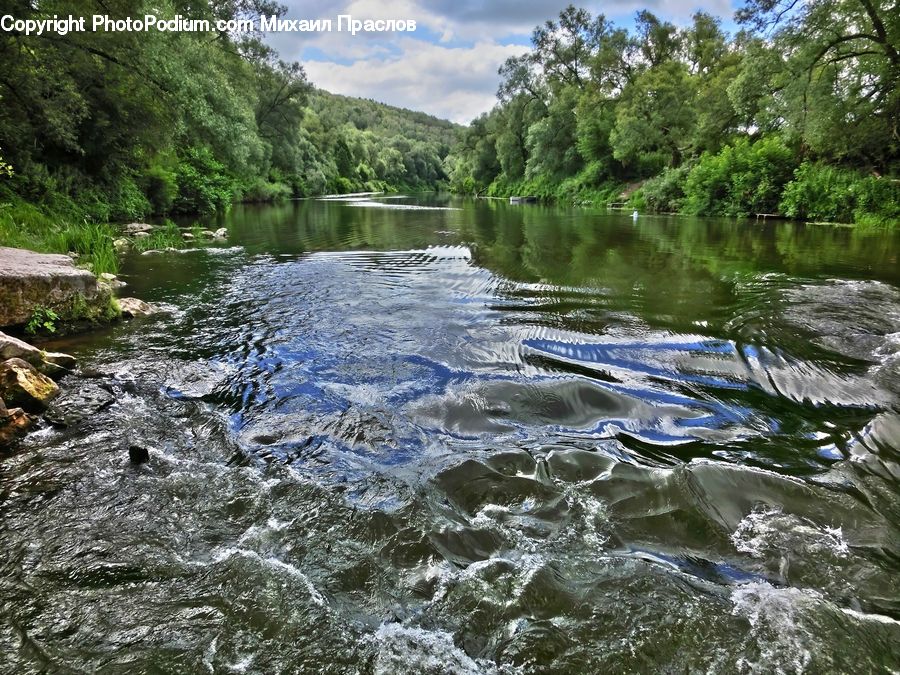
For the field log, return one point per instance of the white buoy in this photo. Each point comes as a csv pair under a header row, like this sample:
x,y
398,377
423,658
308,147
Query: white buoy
x,y
634,215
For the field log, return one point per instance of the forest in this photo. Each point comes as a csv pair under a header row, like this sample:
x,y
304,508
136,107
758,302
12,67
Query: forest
x,y
106,127
798,114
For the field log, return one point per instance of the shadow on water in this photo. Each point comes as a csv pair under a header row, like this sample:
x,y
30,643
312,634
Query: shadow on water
x,y
434,435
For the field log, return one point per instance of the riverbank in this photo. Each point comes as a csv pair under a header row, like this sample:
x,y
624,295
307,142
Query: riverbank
x,y
739,182
41,295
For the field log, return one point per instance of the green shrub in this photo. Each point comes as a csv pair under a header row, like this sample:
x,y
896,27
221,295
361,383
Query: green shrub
x,y
820,192
161,188
664,193
877,201
127,201
43,320
203,184
827,193
261,190
740,180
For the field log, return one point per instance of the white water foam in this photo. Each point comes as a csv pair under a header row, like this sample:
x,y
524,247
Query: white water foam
x,y
776,630
410,649
768,530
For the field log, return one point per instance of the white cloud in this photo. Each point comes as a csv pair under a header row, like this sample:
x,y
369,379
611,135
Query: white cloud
x,y
456,83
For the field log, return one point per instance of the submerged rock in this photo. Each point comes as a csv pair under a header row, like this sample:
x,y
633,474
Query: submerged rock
x,y
133,308
75,406
138,454
22,385
30,280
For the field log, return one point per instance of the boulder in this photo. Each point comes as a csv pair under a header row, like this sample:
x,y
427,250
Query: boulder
x,y
187,236
14,348
22,385
49,363
121,244
29,280
137,228
132,308
56,364
222,233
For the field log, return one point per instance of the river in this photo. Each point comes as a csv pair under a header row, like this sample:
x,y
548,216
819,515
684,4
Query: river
x,y
432,435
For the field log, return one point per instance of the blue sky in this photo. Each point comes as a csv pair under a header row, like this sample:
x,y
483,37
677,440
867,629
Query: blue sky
x,y
448,66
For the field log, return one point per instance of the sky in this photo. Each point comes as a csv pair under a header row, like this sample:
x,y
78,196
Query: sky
x,y
448,66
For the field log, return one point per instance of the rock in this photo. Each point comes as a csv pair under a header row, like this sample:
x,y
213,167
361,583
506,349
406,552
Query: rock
x,y
137,228
187,236
141,235
138,454
221,233
112,280
49,363
121,244
13,423
76,405
66,361
14,348
29,280
209,234
132,308
22,385
57,363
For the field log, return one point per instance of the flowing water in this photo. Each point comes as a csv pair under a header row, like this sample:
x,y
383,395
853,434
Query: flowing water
x,y
430,435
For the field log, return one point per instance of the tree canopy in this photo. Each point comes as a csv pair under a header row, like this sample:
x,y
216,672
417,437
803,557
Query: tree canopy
x,y
592,107
120,125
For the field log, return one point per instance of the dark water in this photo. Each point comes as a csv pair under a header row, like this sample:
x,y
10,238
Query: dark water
x,y
475,438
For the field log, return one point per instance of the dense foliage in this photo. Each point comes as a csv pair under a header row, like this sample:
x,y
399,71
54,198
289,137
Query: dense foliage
x,y
797,114
109,126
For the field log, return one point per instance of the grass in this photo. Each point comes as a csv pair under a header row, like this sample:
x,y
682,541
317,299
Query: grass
x,y
24,226
161,238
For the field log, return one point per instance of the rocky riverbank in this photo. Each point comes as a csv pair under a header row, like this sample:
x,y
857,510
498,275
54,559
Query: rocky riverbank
x,y
46,292
27,384
31,281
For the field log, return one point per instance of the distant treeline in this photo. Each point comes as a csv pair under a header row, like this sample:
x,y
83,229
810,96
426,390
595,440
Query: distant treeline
x,y
797,114
111,126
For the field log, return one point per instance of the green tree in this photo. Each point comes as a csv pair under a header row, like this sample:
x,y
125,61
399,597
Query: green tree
x,y
655,119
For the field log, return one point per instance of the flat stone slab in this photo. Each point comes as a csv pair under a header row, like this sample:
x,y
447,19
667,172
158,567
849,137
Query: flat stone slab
x,y
29,280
